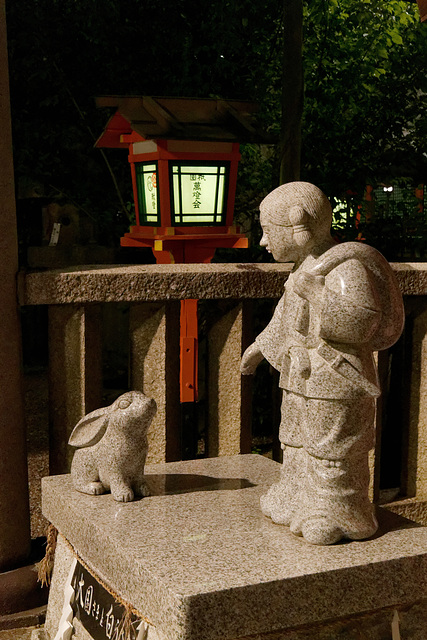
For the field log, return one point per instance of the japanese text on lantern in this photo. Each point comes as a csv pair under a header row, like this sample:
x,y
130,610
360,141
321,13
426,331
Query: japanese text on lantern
x,y
197,189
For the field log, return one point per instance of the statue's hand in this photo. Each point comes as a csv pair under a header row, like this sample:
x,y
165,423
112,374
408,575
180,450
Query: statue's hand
x,y
251,359
310,287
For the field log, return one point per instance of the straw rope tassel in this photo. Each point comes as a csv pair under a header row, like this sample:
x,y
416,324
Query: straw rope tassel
x,y
45,566
126,623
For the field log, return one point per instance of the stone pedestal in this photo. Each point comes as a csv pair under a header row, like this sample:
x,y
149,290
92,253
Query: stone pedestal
x,y
199,561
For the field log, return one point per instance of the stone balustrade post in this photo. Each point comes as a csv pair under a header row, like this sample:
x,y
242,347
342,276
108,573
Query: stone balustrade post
x,y
382,363
415,466
75,375
154,367
229,422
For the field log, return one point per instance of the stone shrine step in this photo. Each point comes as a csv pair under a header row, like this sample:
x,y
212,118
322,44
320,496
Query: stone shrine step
x,y
199,561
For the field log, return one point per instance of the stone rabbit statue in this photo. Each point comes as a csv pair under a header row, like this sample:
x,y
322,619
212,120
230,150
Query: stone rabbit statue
x,y
111,445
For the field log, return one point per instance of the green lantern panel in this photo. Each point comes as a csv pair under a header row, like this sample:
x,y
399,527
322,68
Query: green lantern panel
x,y
198,193
148,198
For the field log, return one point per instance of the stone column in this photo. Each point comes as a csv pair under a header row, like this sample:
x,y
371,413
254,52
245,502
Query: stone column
x,y
14,509
415,473
75,375
229,423
382,361
154,364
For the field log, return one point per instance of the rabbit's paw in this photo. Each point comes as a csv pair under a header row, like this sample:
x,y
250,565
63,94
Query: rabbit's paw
x,y
143,490
94,488
123,494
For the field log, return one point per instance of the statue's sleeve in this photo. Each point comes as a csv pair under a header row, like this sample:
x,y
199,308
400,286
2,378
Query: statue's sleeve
x,y
351,308
271,340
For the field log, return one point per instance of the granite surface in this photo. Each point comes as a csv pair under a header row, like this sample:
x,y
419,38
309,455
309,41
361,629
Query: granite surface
x,y
154,363
416,368
63,561
200,561
152,283
341,303
111,448
173,282
410,622
229,394
410,508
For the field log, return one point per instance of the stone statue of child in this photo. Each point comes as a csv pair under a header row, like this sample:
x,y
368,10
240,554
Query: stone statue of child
x,y
341,303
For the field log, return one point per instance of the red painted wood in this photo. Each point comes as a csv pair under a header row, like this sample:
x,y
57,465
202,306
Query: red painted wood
x,y
135,192
164,193
188,351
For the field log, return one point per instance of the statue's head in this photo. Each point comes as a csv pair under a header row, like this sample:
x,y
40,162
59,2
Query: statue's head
x,y
295,217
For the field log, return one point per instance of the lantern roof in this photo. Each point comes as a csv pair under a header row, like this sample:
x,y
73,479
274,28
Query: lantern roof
x,y
180,119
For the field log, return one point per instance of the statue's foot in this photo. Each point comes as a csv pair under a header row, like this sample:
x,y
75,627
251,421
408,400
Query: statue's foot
x,y
362,532
318,530
277,504
281,500
324,530
334,503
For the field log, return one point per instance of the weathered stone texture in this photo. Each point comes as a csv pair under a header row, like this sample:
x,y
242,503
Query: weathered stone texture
x,y
175,282
153,282
411,508
154,364
228,391
75,375
411,622
200,561
416,471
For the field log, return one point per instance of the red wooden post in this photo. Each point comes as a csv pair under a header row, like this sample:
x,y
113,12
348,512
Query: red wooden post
x,y
188,378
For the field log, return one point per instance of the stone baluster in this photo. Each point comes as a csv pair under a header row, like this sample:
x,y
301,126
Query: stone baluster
x,y
229,422
75,374
415,446
154,366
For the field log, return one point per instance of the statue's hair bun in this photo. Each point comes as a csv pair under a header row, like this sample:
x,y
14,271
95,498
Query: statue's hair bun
x,y
300,220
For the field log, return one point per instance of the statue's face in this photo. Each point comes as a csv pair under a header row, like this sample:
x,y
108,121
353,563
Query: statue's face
x,y
278,239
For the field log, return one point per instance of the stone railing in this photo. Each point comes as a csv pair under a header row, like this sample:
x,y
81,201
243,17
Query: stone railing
x,y
75,297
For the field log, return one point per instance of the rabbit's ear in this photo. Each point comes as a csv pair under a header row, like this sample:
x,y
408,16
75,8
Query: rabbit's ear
x,y
90,429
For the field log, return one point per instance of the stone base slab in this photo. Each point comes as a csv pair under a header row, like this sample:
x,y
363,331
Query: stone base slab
x,y
410,508
200,561
29,618
20,591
